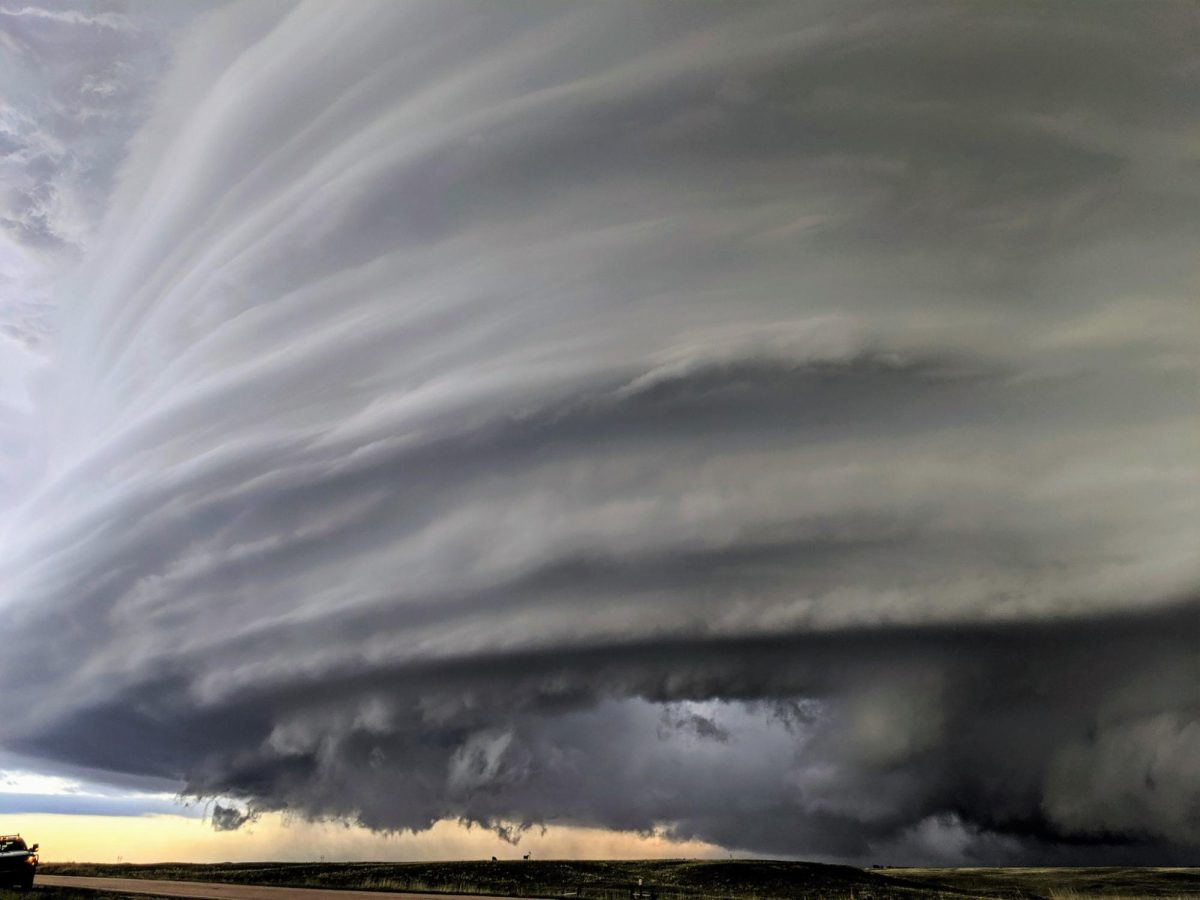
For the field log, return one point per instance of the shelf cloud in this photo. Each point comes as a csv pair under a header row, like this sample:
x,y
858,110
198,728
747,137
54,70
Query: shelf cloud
x,y
771,425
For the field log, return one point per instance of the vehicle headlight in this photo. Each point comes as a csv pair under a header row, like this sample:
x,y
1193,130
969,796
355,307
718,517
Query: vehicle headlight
x,y
32,860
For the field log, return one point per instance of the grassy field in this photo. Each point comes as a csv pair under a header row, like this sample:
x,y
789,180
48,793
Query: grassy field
x,y
1064,883
591,880
680,879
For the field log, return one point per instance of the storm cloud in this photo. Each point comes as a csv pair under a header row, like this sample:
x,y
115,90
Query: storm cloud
x,y
772,425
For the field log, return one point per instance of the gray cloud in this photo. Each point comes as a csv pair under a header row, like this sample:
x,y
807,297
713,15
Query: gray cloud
x,y
76,79
228,818
112,21
764,424
15,804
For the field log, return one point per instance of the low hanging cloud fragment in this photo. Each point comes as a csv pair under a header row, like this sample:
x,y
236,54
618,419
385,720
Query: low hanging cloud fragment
x,y
768,425
229,818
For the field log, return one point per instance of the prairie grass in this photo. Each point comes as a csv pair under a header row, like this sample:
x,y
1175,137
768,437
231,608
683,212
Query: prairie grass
x,y
680,879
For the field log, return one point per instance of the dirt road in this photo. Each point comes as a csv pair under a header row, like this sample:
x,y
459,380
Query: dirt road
x,y
215,891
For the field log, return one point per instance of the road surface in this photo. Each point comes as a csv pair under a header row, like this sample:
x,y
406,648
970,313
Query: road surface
x,y
215,891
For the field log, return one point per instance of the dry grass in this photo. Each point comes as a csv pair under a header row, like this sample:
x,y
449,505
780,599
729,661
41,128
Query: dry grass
x,y
683,880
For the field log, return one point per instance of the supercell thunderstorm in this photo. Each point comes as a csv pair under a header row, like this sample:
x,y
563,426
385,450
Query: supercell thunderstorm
x,y
770,425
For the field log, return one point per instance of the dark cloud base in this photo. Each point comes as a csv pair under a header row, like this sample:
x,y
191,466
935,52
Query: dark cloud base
x,y
1068,741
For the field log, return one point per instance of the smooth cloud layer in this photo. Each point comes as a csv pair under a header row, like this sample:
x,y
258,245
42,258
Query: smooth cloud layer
x,y
773,426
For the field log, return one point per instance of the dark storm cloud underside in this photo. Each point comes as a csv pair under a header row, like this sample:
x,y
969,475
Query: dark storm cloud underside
x,y
1047,682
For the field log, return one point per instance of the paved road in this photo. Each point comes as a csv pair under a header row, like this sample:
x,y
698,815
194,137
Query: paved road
x,y
214,891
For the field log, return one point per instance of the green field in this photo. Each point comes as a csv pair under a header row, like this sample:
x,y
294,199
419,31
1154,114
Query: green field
x,y
678,879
